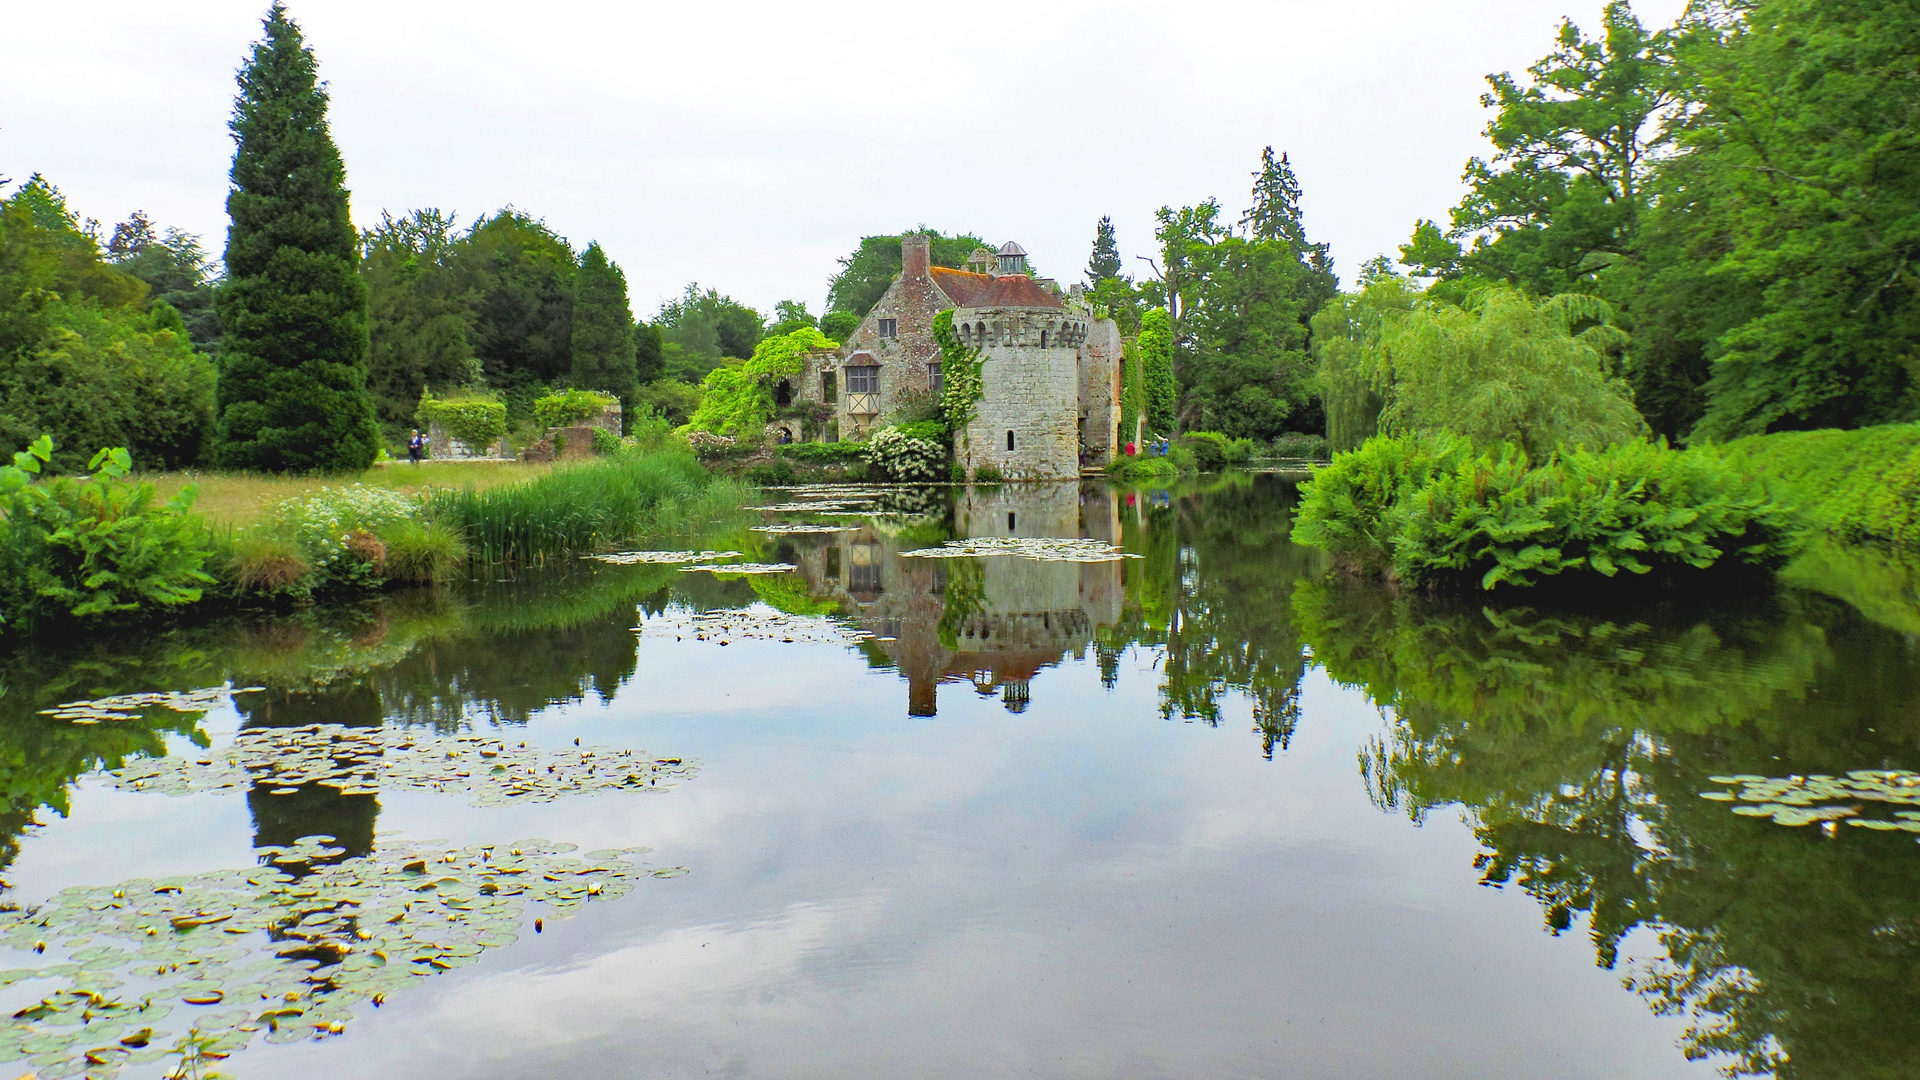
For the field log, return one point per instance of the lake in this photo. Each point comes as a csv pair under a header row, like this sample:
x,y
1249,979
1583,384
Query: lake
x,y
1008,807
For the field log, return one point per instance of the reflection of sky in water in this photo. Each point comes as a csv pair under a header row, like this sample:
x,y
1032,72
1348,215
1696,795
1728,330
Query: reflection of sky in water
x,y
1080,889
910,870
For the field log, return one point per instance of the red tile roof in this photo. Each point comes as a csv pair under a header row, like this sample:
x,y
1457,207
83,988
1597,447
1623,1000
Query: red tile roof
x,y
960,285
1013,290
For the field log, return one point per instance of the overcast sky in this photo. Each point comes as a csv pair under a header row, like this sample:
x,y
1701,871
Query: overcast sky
x,y
747,146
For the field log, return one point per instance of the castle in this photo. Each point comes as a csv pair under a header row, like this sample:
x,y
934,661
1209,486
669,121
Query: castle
x,y
1051,375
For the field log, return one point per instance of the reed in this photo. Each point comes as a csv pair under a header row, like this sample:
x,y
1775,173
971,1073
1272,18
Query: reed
x,y
590,507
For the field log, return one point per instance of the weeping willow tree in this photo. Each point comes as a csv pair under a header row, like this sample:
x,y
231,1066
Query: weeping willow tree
x,y
1345,334
1505,368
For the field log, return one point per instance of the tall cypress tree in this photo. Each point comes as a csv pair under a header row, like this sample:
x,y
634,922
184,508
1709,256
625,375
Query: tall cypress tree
x,y
293,311
603,346
1105,262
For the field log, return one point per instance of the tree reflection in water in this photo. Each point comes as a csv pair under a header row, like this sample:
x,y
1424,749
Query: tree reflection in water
x,y
1576,746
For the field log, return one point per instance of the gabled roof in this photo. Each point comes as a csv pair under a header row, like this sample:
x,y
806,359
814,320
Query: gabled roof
x,y
1012,290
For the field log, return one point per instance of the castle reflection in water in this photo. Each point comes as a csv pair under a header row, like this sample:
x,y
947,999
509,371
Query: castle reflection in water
x,y
990,623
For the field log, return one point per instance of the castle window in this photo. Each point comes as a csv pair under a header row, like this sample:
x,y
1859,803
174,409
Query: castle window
x,y
936,379
1043,339
889,328
1009,440
979,335
783,393
1009,523
863,380
828,388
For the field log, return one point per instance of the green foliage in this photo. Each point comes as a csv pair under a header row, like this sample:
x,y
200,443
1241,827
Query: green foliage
x,y
1214,451
335,530
962,387
1346,343
865,275
259,563
824,453
709,326
79,359
587,507
738,399
94,549
1505,369
1427,509
895,454
1299,445
477,421
176,270
1119,299
791,315
422,551
292,389
1861,485
1104,264
670,398
649,356
417,313
567,407
605,442
838,324
518,275
1145,468
1160,393
603,346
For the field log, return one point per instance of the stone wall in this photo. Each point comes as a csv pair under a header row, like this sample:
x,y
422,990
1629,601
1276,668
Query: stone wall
x,y
1030,390
911,301
1100,371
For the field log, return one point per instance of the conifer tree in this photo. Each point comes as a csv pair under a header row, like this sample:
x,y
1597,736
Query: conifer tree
x,y
603,345
1105,262
293,312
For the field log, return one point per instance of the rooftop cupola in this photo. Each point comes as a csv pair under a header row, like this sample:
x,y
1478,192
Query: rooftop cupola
x,y
981,261
1013,258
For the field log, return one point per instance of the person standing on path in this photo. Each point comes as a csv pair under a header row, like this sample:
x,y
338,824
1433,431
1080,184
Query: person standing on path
x,y
416,447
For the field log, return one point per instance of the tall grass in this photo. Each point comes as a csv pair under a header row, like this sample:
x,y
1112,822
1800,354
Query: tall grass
x,y
590,507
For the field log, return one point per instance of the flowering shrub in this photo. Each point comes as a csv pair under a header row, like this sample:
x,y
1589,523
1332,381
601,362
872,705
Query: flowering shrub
x,y
898,456
333,529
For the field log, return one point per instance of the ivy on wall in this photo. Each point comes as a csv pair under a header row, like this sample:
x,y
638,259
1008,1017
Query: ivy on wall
x,y
961,384
479,422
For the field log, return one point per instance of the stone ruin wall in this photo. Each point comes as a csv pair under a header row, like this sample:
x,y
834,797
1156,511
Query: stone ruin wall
x,y
1100,389
1030,390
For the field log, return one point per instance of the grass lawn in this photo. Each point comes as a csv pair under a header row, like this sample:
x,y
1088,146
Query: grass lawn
x,y
242,498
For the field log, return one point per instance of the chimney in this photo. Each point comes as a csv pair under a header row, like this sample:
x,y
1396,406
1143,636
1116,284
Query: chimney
x,y
916,252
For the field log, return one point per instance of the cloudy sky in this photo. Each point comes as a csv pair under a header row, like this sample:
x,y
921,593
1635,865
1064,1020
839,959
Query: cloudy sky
x,y
749,145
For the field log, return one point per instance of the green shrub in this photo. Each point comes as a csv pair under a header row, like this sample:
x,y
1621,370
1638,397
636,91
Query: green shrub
x,y
423,551
929,430
824,453
327,528
988,474
1345,507
896,455
1213,451
479,422
95,548
605,442
567,407
1855,485
1429,509
1299,445
1142,468
777,471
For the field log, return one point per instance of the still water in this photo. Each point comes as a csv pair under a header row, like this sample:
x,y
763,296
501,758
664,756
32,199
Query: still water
x,y
1204,812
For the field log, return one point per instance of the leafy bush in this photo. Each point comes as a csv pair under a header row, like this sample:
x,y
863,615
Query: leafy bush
x,y
777,471
896,455
1213,451
1142,468
1299,445
930,430
479,422
605,442
737,398
423,551
567,407
95,548
825,453
1430,509
1855,485
332,527
988,474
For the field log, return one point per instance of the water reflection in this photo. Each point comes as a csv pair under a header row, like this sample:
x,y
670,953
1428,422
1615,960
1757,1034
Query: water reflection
x,y
1574,742
1577,744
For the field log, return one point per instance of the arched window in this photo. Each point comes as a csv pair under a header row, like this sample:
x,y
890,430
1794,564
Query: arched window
x,y
1043,339
979,335
1009,440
